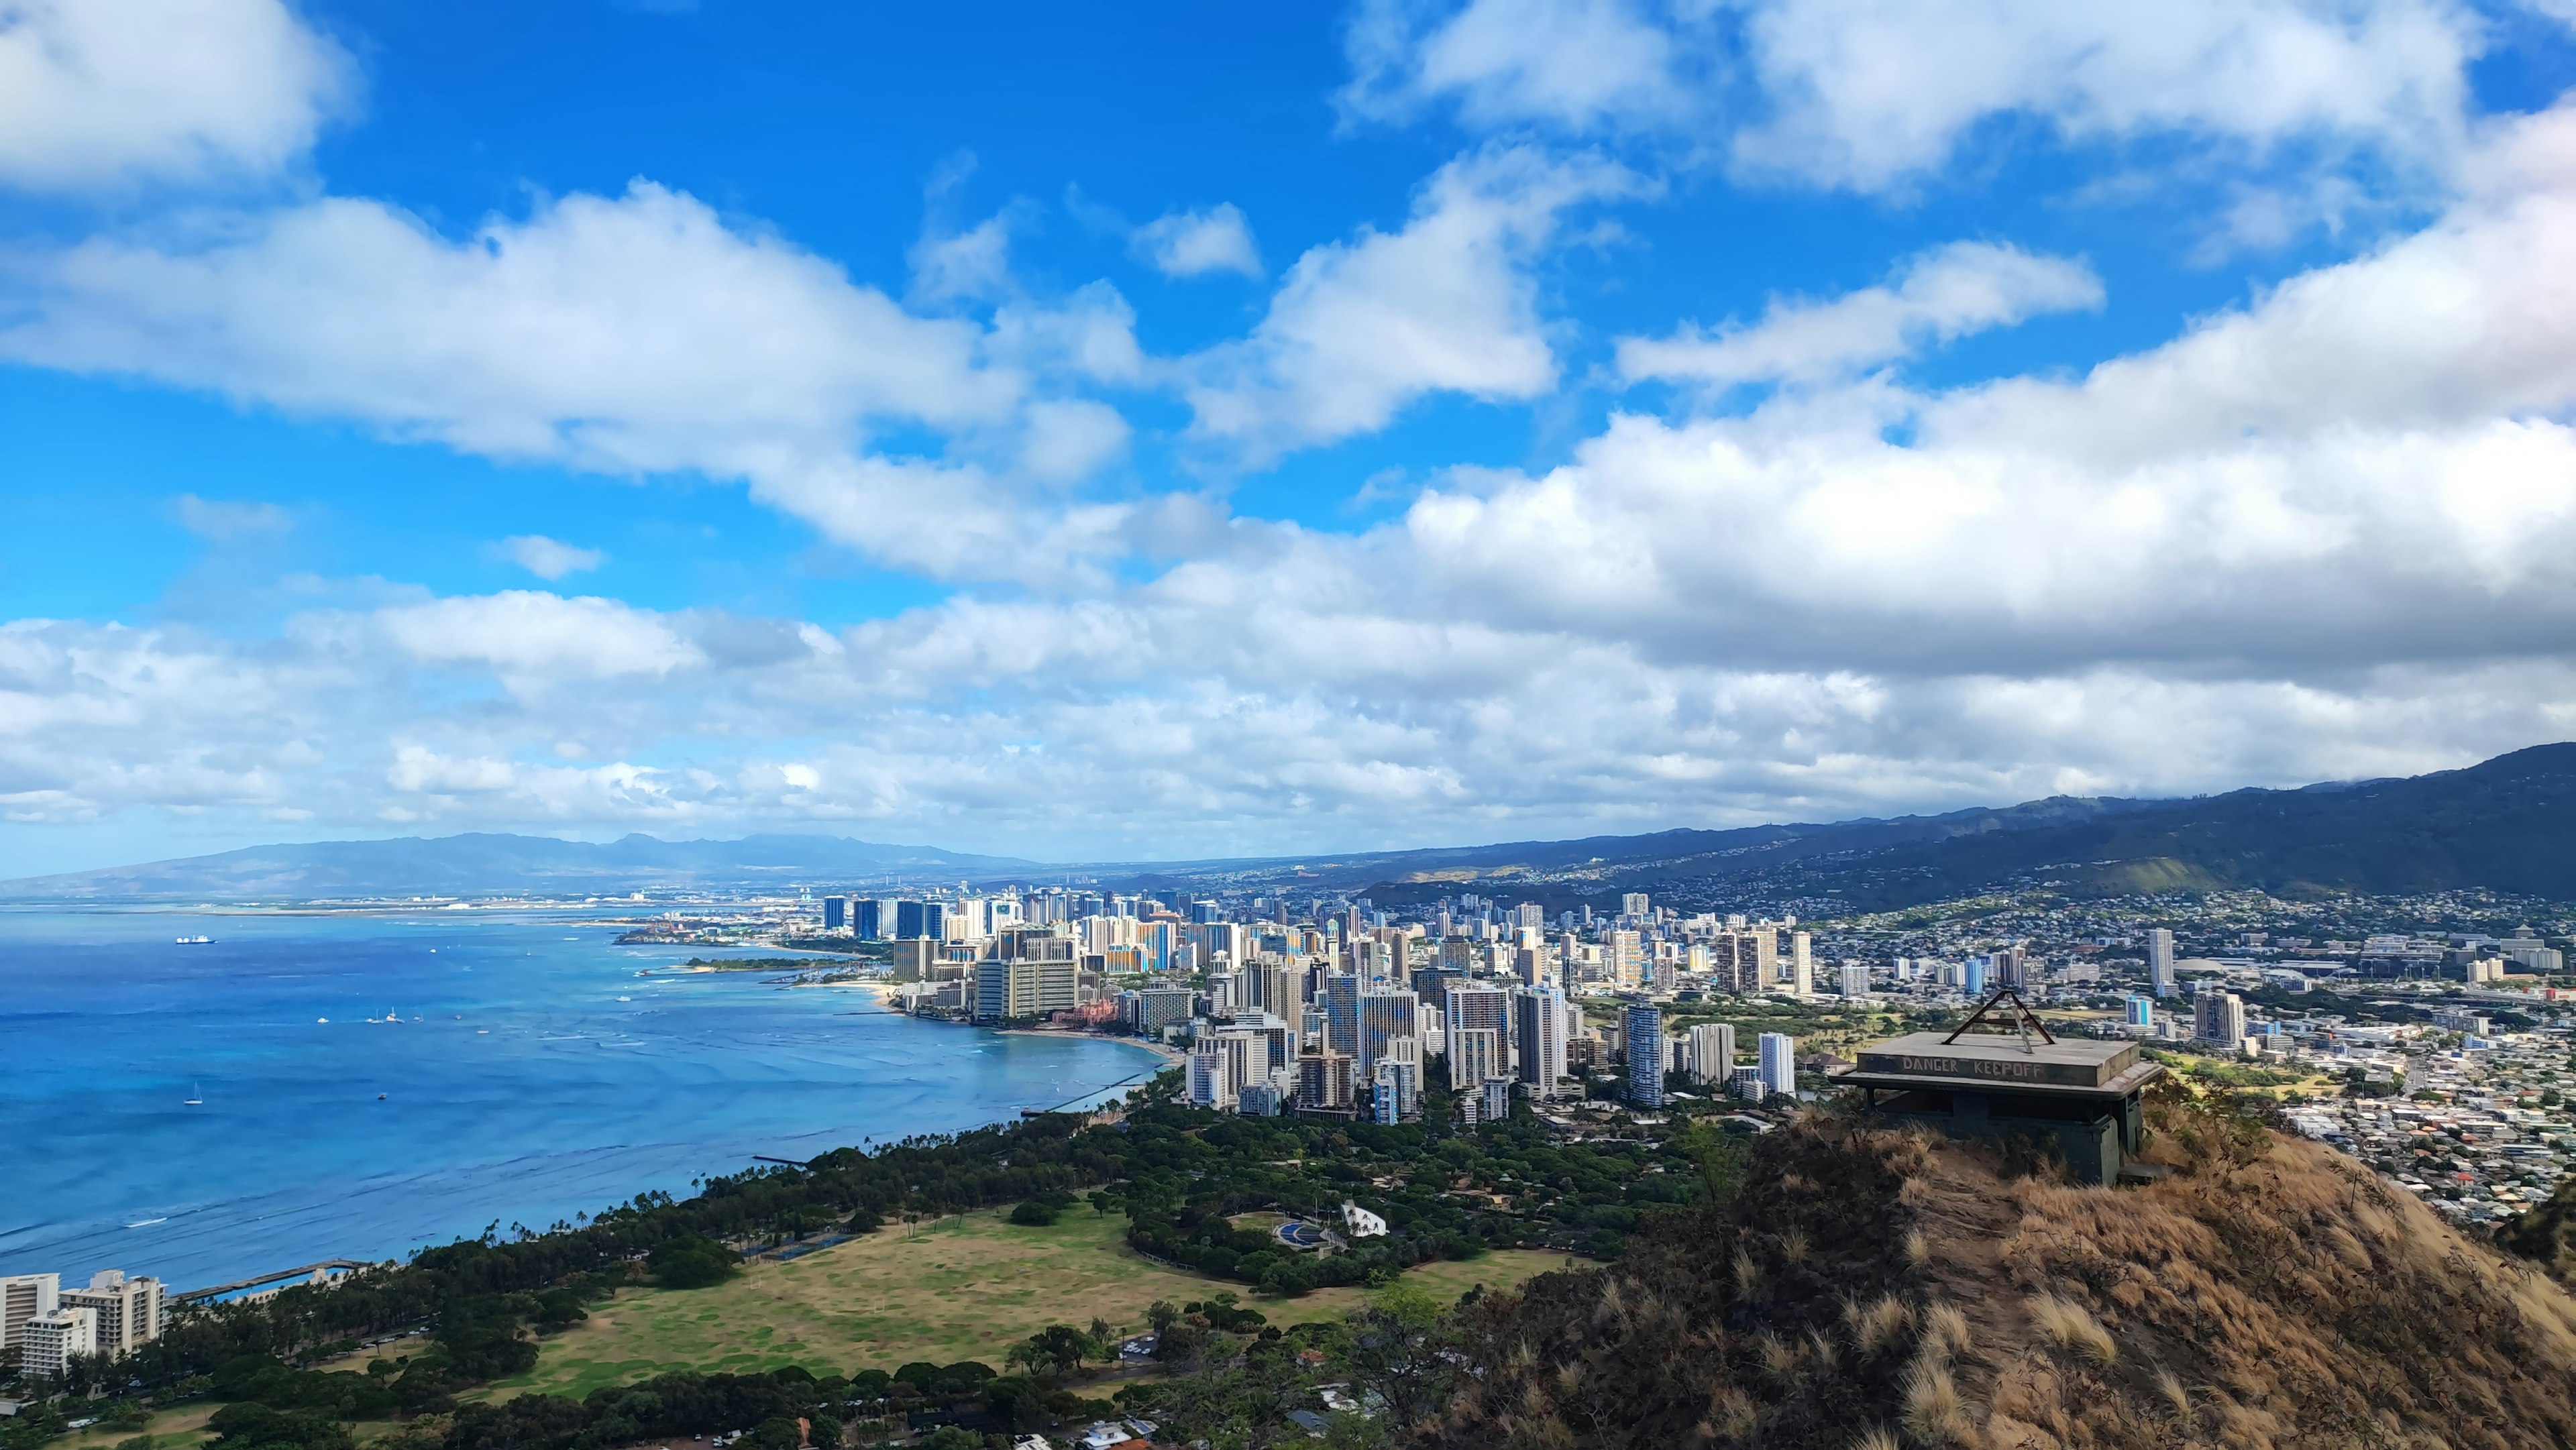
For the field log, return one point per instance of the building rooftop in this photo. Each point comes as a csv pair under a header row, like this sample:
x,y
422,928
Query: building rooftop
x,y
1998,1060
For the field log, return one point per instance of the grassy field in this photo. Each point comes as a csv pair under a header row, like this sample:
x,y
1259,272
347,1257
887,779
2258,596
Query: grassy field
x,y
959,1288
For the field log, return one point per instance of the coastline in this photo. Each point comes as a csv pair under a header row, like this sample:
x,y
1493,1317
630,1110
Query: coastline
x,y
518,1012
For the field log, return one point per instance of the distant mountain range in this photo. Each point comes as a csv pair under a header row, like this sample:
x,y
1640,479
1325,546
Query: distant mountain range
x,y
2503,825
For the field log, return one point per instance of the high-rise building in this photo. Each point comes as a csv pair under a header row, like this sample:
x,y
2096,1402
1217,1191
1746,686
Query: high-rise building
x,y
23,1298
1324,1081
1342,1014
2142,1011
1385,1017
1538,1039
1744,961
1204,912
1802,964
50,1342
1712,1051
1530,916
1633,904
1267,987
1397,1092
1156,1008
2160,961
2219,1019
1627,959
1779,1063
836,912
1473,1056
1642,1029
125,1312
921,920
1855,979
1470,1008
1972,976
1205,1082
2009,967
875,919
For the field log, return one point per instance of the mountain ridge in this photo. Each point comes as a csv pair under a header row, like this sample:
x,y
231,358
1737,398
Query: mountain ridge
x,y
2492,825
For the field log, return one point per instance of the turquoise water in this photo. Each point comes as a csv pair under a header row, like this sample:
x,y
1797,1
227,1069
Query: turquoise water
x,y
531,1073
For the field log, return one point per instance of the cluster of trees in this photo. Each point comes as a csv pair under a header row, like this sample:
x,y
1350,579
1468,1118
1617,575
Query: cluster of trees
x,y
1181,1176
1444,1192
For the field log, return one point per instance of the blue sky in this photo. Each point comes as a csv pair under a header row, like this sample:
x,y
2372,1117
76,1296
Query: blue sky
x,y
1179,430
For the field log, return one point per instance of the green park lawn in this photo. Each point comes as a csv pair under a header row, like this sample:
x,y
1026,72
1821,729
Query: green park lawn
x,y
953,1289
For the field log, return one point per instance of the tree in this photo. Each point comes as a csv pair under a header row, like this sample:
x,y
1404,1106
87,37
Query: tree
x,y
1058,1349
1161,1314
692,1262
1396,1349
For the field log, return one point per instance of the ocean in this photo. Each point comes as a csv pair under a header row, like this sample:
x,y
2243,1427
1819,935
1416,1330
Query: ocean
x,y
517,1070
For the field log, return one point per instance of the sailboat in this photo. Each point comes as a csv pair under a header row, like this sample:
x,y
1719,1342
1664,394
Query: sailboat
x,y
196,1096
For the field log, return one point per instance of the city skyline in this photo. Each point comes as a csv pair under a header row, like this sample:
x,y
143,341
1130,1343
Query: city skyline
x,y
1178,435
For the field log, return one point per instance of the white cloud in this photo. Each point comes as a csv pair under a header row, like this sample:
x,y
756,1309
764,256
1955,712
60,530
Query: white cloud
x,y
1936,297
532,639
625,335
1867,93
549,559
1879,94
1193,243
1582,63
1359,329
98,94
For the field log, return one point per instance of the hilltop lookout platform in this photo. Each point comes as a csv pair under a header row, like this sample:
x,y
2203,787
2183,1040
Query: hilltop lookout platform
x,y
2080,1098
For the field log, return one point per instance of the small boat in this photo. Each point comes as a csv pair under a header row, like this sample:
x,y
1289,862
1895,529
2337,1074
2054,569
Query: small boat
x,y
196,1096
482,1031
625,999
380,1097
325,1021
194,941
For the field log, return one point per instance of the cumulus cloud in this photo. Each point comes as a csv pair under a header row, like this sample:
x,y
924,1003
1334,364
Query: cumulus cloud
x,y
1878,94
626,334
99,94
2324,534
548,559
1941,295
1193,243
530,638
1582,63
1360,329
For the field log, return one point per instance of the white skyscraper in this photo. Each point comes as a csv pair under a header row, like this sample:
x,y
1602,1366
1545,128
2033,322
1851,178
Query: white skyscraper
x,y
1712,1051
53,1340
1477,1009
1474,1055
1779,1063
1855,979
2160,962
1802,964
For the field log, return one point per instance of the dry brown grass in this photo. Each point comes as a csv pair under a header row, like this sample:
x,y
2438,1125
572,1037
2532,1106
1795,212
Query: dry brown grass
x,y
2304,1300
2273,1297
2070,1327
1879,1326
